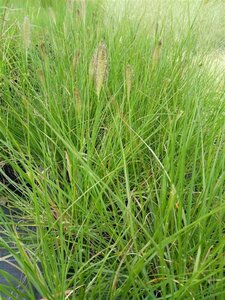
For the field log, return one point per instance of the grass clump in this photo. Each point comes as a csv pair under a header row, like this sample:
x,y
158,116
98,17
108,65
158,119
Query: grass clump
x,y
115,132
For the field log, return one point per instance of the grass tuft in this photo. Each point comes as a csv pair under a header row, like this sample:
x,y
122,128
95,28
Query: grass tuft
x,y
112,161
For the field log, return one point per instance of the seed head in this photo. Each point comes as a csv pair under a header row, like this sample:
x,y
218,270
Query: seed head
x,y
70,4
26,33
41,76
43,50
83,8
128,78
68,165
75,61
92,66
52,15
99,67
156,53
78,100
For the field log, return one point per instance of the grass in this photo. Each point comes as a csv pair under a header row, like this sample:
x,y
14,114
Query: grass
x,y
114,124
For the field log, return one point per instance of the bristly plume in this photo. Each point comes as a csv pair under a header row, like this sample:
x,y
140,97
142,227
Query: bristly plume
x,y
52,15
156,53
26,33
42,50
75,62
70,5
41,76
78,100
129,73
92,66
99,67
68,165
83,9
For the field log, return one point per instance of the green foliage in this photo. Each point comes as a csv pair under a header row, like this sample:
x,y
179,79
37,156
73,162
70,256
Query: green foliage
x,y
124,187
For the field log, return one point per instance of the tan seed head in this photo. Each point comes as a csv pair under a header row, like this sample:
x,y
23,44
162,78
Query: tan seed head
x,y
75,61
156,53
83,8
128,78
99,67
70,4
26,32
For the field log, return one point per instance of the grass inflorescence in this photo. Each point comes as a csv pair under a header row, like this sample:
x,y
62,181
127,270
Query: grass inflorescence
x,y
112,131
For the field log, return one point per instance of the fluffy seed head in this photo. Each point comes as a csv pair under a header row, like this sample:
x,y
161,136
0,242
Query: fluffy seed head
x,y
83,8
70,4
99,67
42,50
75,61
128,78
92,66
52,15
156,53
26,32
68,165
78,100
41,76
